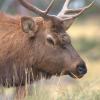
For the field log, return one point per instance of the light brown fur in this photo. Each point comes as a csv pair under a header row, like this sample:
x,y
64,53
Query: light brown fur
x,y
25,59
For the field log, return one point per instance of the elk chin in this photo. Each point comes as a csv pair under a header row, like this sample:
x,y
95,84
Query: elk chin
x,y
75,76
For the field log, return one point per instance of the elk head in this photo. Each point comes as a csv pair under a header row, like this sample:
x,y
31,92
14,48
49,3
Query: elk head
x,y
58,55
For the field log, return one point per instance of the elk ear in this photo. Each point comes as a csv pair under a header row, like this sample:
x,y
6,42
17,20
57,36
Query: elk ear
x,y
29,26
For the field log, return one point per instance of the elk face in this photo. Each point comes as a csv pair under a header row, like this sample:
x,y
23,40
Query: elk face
x,y
56,53
60,58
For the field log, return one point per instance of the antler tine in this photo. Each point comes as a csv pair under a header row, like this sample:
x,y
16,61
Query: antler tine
x,y
66,4
49,7
65,7
71,14
35,9
81,10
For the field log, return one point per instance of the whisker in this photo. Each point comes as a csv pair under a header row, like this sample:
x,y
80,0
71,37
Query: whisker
x,y
74,75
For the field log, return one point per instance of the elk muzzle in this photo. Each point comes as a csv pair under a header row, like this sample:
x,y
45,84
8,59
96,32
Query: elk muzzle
x,y
78,70
81,69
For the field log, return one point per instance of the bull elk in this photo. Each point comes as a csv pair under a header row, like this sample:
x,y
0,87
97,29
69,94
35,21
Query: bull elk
x,y
35,46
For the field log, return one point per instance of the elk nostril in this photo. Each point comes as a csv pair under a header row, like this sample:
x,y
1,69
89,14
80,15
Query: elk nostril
x,y
81,69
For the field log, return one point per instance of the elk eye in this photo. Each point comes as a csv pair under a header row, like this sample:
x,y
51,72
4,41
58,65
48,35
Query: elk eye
x,y
50,40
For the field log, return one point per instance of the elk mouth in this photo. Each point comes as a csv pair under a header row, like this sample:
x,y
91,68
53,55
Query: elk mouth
x,y
47,75
71,74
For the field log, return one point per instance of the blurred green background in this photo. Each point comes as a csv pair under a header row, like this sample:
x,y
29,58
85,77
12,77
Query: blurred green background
x,y
85,35
13,6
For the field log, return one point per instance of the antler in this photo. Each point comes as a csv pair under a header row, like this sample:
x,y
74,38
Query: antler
x,y
68,15
35,9
65,14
